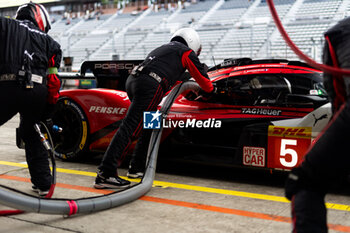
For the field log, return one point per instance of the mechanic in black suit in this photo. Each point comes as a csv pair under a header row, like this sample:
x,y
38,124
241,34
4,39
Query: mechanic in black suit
x,y
146,87
327,162
27,53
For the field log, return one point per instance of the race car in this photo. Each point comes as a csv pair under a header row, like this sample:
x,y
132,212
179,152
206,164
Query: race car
x,y
265,114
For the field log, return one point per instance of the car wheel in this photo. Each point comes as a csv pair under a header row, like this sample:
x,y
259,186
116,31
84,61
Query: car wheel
x,y
72,142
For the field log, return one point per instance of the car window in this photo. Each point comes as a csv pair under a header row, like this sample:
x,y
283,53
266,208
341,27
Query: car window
x,y
253,89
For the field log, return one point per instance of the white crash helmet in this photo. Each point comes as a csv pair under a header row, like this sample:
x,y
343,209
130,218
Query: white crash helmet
x,y
191,37
36,13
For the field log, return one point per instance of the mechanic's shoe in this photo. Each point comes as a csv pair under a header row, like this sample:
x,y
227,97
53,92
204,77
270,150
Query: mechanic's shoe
x,y
134,174
41,193
135,170
112,182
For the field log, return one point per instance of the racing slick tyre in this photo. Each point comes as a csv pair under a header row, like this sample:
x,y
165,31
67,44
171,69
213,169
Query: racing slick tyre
x,y
72,143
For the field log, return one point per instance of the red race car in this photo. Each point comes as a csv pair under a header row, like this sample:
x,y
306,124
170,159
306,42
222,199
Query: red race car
x,y
266,114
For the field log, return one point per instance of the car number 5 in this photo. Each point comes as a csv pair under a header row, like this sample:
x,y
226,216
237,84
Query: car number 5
x,y
291,152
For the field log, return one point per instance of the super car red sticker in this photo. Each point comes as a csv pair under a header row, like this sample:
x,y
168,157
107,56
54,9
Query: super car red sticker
x,y
254,156
287,146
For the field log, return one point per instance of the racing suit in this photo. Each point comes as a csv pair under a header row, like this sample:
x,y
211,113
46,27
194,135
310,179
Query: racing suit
x,y
146,87
327,162
26,54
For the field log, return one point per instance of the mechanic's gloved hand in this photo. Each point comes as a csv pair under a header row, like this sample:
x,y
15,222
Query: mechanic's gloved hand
x,y
294,182
206,68
47,116
215,89
48,111
49,124
204,95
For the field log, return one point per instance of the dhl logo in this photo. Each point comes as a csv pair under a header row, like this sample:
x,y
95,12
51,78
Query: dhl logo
x,y
290,132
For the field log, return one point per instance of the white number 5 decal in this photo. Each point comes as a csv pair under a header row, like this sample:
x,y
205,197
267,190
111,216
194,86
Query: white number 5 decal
x,y
285,151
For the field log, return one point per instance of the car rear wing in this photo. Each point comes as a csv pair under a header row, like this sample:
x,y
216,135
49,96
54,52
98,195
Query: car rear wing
x,y
108,74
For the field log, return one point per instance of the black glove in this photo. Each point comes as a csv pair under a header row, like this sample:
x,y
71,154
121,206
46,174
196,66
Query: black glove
x,y
302,178
48,111
216,89
47,116
205,95
205,67
297,180
49,124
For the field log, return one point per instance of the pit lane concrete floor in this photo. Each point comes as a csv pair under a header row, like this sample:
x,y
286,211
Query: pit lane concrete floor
x,y
185,198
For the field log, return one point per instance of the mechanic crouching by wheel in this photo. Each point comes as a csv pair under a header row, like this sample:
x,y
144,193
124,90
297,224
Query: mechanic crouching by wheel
x,y
27,54
146,87
328,161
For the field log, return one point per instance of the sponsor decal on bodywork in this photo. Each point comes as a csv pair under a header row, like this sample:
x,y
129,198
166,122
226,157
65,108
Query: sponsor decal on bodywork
x,y
287,146
119,66
254,156
107,110
262,111
295,132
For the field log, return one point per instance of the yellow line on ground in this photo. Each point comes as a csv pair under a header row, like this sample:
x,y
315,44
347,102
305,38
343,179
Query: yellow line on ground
x,y
192,187
61,170
13,164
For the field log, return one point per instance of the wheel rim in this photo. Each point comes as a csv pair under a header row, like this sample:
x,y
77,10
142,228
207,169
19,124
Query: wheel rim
x,y
71,140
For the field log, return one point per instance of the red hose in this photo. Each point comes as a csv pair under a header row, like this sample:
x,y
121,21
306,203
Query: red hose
x,y
10,212
52,189
297,51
